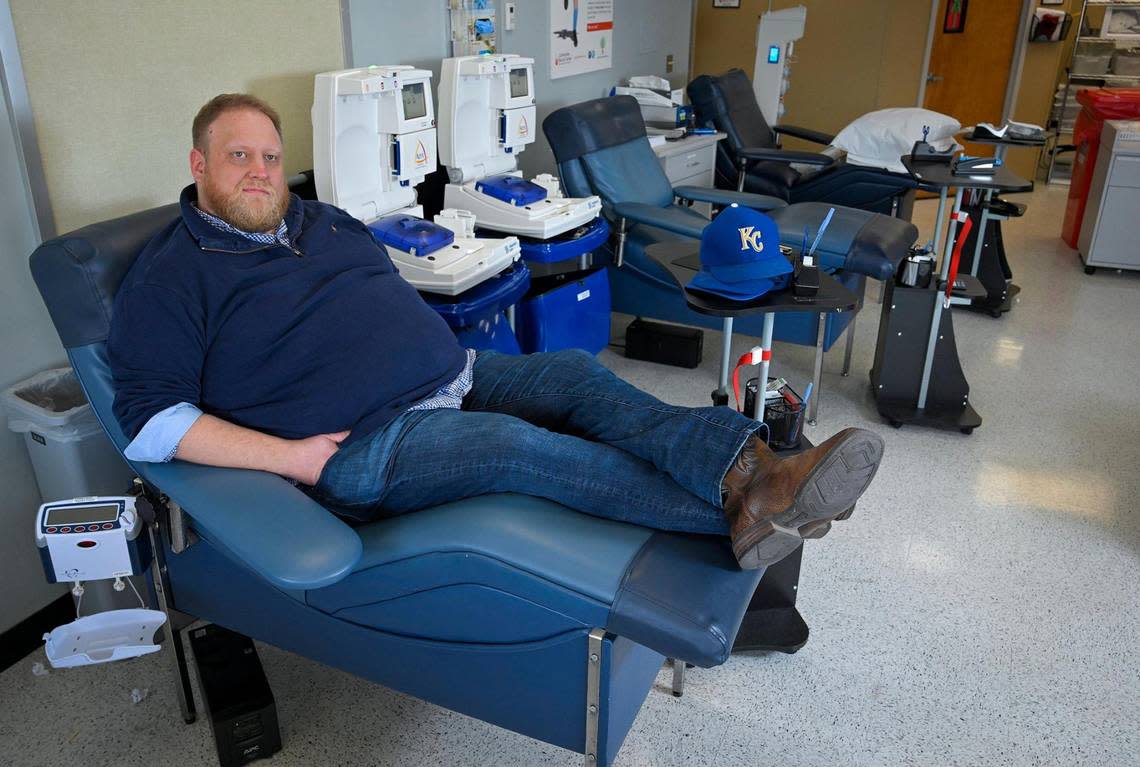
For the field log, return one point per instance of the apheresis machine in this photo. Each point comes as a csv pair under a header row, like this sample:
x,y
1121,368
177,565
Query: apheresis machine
x,y
487,116
374,139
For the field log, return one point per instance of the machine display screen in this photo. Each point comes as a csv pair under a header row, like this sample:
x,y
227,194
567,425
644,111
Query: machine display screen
x,y
82,515
773,54
415,105
518,83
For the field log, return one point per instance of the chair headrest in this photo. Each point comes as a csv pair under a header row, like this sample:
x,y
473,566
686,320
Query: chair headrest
x,y
79,273
583,128
715,96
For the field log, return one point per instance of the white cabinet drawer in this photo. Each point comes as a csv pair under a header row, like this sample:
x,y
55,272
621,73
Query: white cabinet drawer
x,y
1125,171
687,164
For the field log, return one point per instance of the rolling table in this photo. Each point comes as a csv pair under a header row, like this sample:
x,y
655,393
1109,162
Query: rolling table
x,y
917,377
989,263
682,260
772,621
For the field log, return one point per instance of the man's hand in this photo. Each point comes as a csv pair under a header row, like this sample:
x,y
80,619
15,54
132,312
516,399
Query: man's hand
x,y
216,442
309,456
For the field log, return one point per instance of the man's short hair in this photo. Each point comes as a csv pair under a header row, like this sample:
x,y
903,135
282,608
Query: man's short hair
x,y
228,102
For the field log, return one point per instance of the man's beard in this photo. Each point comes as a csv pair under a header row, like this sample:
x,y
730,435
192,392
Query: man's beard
x,y
248,215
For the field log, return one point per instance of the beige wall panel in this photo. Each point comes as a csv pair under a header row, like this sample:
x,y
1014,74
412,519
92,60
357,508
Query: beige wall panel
x,y
856,56
114,87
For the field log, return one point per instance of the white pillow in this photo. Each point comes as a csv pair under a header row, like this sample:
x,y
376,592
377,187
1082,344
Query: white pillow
x,y
880,138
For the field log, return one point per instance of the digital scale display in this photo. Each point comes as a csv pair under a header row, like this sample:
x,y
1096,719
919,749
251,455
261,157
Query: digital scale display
x,y
82,515
518,83
415,105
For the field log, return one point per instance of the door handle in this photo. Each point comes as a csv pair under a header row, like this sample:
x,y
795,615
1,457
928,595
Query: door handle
x,y
933,78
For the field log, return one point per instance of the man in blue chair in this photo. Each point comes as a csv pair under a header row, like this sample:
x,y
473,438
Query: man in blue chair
x,y
265,332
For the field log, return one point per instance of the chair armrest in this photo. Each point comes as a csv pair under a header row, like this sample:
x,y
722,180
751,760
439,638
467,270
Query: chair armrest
x,y
727,197
785,155
263,521
652,215
807,134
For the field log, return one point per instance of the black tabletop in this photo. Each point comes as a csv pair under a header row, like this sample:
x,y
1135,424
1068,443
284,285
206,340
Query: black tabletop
x,y
682,260
938,175
1015,142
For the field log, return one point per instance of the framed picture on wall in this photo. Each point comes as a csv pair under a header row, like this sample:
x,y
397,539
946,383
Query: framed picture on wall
x,y
1121,23
955,21
726,3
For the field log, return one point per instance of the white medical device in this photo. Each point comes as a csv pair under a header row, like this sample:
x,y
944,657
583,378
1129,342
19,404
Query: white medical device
x,y
88,539
775,41
96,538
487,116
374,139
661,106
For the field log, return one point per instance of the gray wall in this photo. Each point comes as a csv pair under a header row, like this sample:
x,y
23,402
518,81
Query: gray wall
x,y
645,31
29,344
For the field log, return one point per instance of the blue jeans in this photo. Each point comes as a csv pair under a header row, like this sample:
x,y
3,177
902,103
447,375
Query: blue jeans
x,y
560,426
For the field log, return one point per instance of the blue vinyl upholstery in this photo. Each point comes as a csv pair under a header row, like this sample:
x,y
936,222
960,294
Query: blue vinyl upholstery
x,y
483,605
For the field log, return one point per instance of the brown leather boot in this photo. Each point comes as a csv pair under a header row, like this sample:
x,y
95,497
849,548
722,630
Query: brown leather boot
x,y
773,503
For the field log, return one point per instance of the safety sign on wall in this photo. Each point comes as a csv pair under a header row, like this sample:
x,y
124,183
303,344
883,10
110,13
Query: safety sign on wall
x,y
582,36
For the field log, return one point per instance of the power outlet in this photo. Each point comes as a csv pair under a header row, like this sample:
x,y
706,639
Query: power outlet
x,y
669,63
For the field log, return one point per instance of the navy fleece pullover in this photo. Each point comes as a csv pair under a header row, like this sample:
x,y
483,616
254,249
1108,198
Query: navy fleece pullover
x,y
321,337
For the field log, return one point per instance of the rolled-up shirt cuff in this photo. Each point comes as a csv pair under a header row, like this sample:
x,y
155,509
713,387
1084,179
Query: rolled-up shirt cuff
x,y
158,440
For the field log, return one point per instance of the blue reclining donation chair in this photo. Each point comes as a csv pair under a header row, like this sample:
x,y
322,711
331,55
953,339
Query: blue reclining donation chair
x,y
601,148
511,609
750,158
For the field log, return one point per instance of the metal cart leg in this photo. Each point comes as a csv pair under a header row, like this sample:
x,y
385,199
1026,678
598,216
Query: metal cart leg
x,y
720,396
817,376
850,345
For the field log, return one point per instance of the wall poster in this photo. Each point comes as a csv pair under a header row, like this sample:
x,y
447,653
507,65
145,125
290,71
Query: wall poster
x,y
582,36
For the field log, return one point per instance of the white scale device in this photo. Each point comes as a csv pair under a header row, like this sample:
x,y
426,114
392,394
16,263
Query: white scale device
x,y
374,139
487,117
96,538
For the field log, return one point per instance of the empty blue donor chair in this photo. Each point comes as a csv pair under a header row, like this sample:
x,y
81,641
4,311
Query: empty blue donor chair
x,y
727,103
511,609
601,148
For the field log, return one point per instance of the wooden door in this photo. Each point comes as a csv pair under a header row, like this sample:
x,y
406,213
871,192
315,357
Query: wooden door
x,y
969,70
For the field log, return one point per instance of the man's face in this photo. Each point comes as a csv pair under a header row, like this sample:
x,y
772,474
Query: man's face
x,y
240,177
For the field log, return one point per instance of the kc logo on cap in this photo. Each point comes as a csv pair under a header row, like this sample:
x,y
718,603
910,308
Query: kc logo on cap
x,y
740,256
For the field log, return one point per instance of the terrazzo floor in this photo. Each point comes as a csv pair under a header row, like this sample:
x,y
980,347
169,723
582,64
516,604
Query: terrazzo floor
x,y
980,608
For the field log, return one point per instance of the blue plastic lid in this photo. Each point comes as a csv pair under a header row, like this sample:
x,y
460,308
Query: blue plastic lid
x,y
512,189
412,235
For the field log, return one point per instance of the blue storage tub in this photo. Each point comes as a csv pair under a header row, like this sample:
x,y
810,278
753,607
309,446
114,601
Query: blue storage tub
x,y
565,311
476,315
585,239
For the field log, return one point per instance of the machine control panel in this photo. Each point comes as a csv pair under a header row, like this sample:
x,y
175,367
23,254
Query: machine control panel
x,y
89,538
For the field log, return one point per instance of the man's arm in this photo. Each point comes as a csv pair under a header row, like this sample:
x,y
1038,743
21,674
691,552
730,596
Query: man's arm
x,y
217,442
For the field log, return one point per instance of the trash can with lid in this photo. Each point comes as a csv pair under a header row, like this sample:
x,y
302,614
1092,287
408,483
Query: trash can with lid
x,y
1097,105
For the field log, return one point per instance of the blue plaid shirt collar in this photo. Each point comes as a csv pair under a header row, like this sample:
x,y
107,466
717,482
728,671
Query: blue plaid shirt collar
x,y
279,237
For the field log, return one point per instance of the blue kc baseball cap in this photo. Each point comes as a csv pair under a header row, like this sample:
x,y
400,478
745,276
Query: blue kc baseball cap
x,y
740,256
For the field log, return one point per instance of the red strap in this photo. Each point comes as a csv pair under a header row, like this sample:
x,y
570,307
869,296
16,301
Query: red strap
x,y
959,243
748,358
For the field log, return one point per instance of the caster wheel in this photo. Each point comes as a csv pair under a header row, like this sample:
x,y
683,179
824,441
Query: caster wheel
x,y
895,424
1090,270
996,313
968,431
